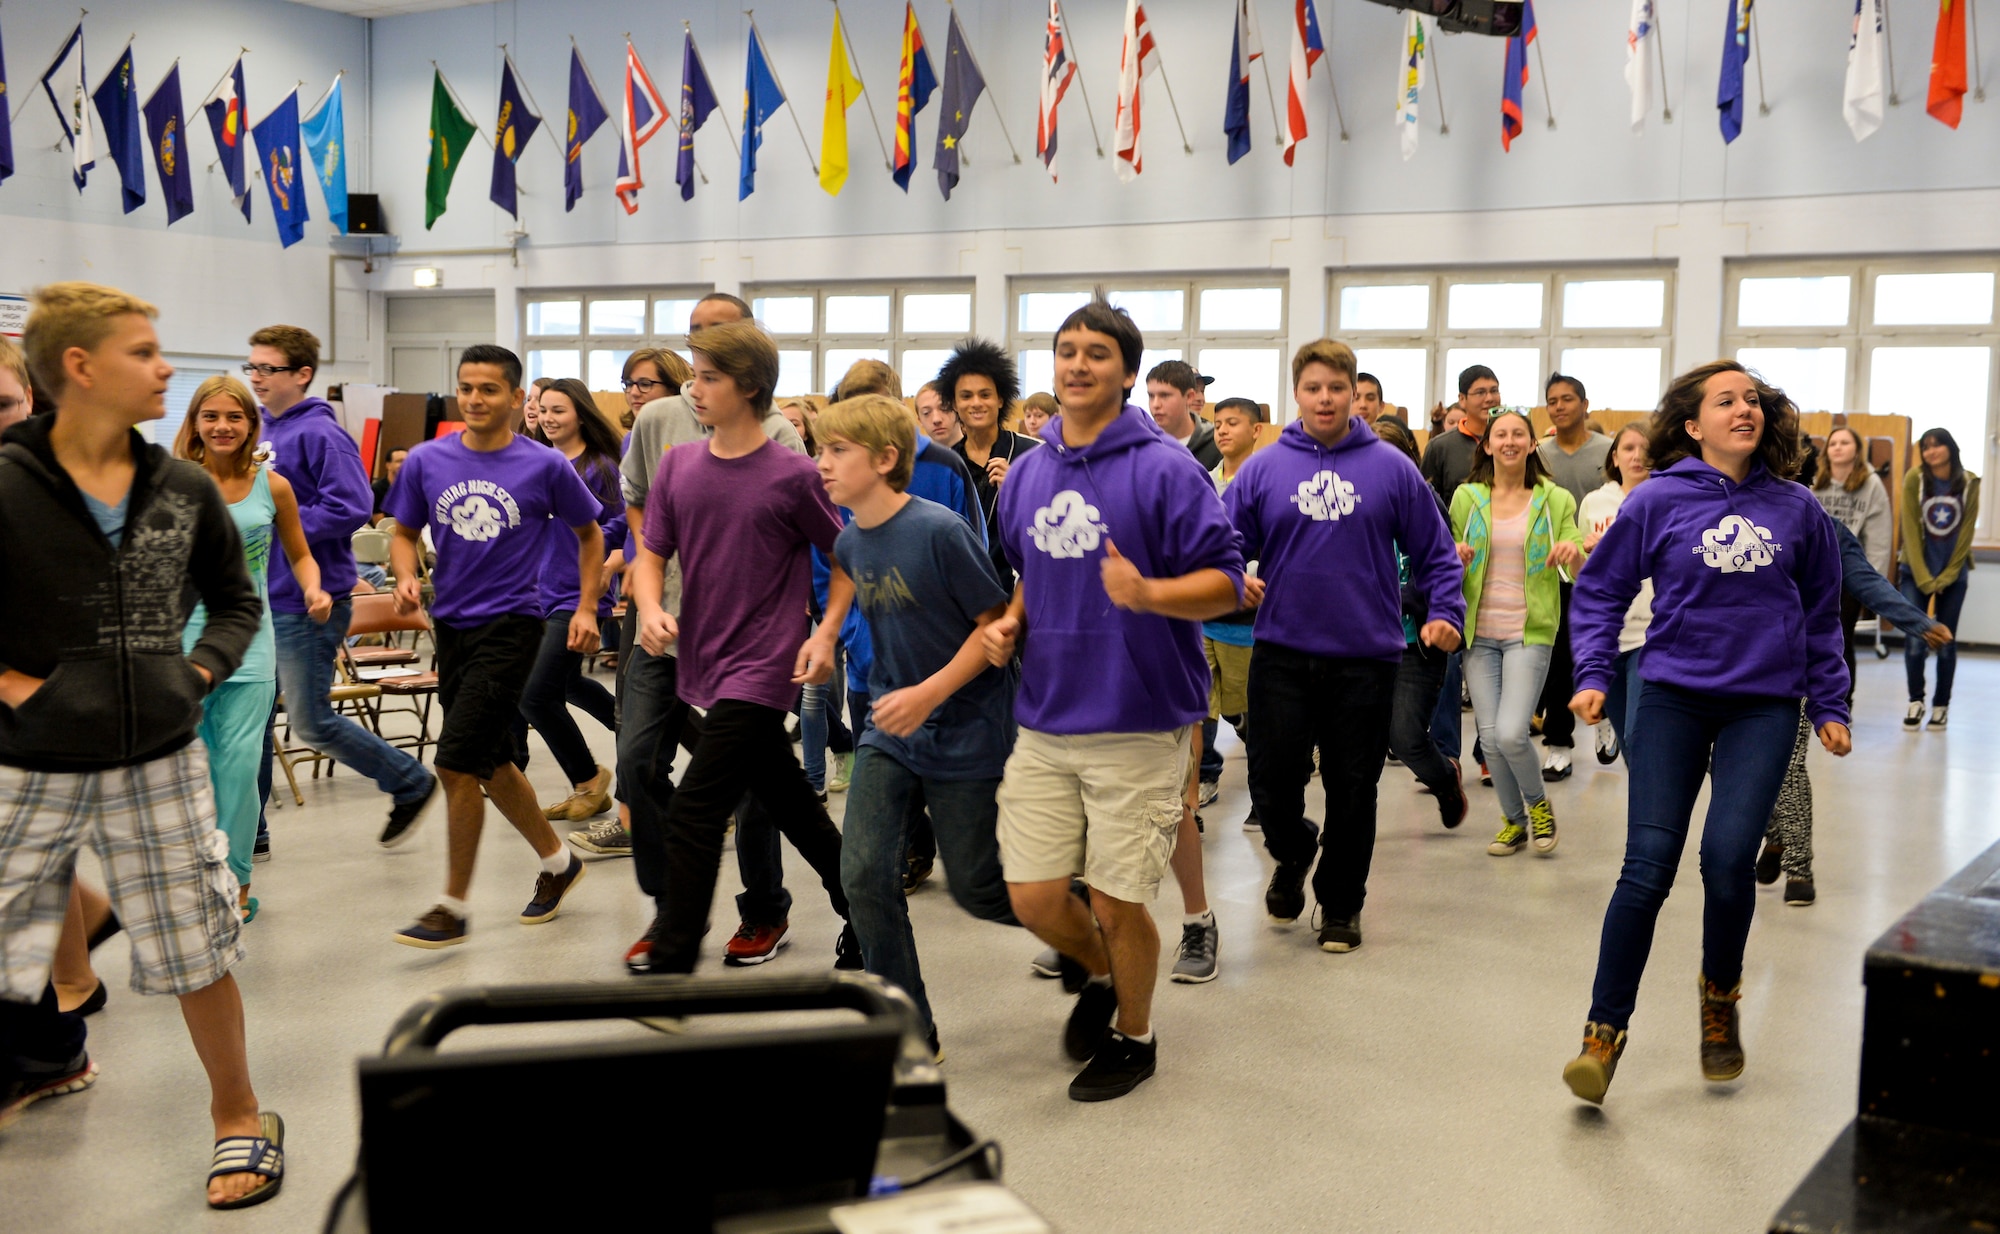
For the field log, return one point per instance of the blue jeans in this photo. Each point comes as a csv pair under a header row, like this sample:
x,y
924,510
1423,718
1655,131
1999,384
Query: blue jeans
x,y
306,654
1621,701
1448,723
1410,723
1506,682
1748,743
1211,758
820,729
556,682
1950,601
872,849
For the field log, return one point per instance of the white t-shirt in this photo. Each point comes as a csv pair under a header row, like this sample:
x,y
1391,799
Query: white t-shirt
x,y
1599,509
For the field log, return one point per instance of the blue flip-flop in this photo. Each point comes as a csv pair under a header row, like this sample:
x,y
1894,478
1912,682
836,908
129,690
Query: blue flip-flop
x,y
249,910
252,1154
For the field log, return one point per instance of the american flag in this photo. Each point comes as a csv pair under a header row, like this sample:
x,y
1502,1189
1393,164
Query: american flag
x,y
1138,57
1057,69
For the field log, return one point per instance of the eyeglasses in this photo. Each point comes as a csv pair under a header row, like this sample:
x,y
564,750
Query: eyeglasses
x,y
644,385
269,370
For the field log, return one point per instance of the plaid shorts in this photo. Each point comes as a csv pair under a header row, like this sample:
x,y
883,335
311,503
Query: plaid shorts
x,y
166,865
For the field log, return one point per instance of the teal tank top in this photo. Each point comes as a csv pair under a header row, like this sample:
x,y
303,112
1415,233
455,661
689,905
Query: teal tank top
x,y
256,521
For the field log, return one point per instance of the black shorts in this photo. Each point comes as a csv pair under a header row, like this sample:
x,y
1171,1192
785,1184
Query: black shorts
x,y
482,672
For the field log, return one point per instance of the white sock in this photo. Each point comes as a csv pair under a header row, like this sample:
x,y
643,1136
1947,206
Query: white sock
x,y
557,862
1147,1039
456,907
1206,917
1104,980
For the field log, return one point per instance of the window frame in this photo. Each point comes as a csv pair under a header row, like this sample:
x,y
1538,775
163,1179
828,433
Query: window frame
x,y
896,341
584,342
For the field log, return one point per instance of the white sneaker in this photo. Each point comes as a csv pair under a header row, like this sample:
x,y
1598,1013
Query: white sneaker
x,y
1938,716
1556,765
1915,715
1607,743
1210,790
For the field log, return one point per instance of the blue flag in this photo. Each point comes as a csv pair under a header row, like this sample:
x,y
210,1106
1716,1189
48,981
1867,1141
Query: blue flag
x,y
229,119
1735,51
1236,112
1515,77
166,133
697,100
325,136
117,99
586,116
6,122
761,100
511,133
963,84
278,149
64,84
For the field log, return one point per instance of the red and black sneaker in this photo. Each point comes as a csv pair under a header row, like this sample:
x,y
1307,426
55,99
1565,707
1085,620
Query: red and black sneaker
x,y
639,956
754,944
18,1094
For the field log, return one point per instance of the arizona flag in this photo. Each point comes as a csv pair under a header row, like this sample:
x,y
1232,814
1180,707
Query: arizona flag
x,y
1306,51
1057,71
1138,57
915,80
645,115
228,119
1246,44
1947,97
1516,78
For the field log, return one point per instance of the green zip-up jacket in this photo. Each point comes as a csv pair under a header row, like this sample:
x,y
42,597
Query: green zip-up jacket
x,y
1551,517
1910,519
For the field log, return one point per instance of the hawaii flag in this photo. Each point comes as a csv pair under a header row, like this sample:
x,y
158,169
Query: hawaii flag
x,y
1138,57
1416,49
645,115
1057,70
915,79
1640,35
1867,61
1306,51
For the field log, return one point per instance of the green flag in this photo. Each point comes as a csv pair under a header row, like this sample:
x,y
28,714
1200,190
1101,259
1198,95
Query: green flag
x,y
451,132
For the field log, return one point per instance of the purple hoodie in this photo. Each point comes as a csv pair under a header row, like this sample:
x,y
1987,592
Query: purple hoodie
x,y
1746,590
1323,525
1087,665
311,450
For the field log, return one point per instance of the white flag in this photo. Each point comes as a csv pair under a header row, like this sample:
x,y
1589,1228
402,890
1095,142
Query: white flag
x,y
1639,63
1138,58
1862,101
1416,49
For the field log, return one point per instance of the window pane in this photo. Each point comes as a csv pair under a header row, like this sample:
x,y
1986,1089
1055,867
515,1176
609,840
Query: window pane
x,y
840,359
1242,308
1038,370
1244,372
607,369
857,314
920,365
555,317
1386,308
1815,378
784,314
1494,306
941,313
1936,387
1405,376
1147,359
1616,378
795,373
671,316
1153,310
1933,300
1614,302
554,364
1816,301
1042,311
618,317
1518,368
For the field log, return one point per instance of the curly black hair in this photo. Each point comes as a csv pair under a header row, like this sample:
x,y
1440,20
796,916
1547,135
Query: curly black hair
x,y
977,357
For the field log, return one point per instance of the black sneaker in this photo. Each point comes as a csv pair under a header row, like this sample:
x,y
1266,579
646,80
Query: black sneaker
x,y
405,815
438,928
1285,898
1453,809
41,1081
1072,972
261,851
915,870
1768,862
847,951
1340,933
1799,892
1119,1066
1089,1020
550,890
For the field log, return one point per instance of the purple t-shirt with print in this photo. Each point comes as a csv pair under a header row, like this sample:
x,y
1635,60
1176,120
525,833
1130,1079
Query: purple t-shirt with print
x,y
489,513
743,527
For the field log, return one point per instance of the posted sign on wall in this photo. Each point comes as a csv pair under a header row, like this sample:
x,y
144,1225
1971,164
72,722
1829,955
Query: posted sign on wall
x,y
13,315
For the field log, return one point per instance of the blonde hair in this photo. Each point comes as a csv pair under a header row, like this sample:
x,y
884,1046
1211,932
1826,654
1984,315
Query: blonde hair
x,y
1335,355
14,362
67,315
869,377
188,443
673,369
746,355
876,423
1858,476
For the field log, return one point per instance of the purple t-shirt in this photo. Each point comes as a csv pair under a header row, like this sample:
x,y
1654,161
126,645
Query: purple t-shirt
x,y
743,528
489,513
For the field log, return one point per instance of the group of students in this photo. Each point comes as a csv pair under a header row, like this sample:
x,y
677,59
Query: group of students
x,y
1052,624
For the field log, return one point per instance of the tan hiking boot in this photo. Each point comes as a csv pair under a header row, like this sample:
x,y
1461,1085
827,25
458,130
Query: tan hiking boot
x,y
589,801
1721,1045
1589,1073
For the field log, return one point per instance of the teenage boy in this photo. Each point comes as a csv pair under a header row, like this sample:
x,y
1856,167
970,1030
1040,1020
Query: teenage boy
x,y
741,513
1226,640
941,722
1367,398
313,452
1122,550
1323,512
938,420
1574,457
1174,391
979,385
101,709
17,393
1448,458
491,498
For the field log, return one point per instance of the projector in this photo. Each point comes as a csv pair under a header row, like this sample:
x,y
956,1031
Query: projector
x,y
1500,18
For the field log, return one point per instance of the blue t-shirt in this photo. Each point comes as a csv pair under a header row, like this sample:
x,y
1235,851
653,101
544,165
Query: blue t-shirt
x,y
1942,514
110,519
922,578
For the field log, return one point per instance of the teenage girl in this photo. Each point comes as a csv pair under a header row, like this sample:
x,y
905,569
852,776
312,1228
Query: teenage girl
x,y
220,432
1746,622
1939,507
1857,501
1516,529
1625,467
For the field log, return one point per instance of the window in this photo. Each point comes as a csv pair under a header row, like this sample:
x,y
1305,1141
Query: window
x,y
1230,329
1609,329
589,334
822,331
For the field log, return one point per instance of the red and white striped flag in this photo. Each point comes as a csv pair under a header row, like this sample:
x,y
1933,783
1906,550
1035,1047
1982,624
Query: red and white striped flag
x,y
1057,69
1306,51
1136,58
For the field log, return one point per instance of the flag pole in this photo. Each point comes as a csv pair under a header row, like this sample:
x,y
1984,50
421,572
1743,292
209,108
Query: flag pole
x,y
1978,73
523,83
163,77
463,110
1333,84
1437,79
1757,48
1077,62
1171,105
587,76
995,101
1660,45
323,94
51,68
1277,125
206,99
719,112
1544,66
854,63
1889,44
757,34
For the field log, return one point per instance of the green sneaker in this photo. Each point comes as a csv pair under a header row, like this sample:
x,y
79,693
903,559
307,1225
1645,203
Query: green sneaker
x,y
1512,838
1542,826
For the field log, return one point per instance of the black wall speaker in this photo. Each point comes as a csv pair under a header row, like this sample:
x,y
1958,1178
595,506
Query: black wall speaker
x,y
364,215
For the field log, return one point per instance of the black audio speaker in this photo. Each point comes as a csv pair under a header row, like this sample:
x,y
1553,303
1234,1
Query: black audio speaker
x,y
364,215
1500,18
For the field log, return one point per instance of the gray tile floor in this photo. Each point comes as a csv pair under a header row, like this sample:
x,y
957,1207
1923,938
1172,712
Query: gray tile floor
x,y
1411,1085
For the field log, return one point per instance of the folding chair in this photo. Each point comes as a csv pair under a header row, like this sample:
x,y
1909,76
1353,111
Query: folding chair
x,y
376,614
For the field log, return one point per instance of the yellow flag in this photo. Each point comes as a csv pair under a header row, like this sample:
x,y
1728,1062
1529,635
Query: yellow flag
x,y
843,90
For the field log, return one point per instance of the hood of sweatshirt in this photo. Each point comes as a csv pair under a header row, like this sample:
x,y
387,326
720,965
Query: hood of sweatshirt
x,y
1087,665
311,450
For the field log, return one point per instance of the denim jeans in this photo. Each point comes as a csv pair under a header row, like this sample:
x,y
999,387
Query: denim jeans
x,y
655,725
1410,740
306,653
1950,601
820,729
556,682
1342,706
1505,680
1748,743
1621,701
1448,723
872,847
